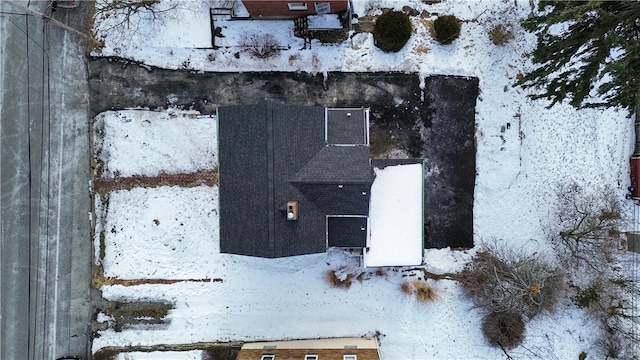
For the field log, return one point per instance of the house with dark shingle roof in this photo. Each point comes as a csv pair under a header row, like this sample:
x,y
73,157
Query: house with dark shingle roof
x,y
293,179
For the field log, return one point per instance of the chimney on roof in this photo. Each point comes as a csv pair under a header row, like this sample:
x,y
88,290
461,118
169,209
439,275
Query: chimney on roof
x,y
292,210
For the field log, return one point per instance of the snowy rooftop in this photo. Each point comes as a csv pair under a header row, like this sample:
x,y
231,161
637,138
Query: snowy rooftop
x,y
396,217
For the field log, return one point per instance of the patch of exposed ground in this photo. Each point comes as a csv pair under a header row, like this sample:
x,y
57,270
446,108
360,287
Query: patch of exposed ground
x,y
213,351
365,23
99,280
127,314
203,177
382,141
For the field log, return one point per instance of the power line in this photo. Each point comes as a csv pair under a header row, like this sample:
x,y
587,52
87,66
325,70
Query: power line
x,y
31,326
46,112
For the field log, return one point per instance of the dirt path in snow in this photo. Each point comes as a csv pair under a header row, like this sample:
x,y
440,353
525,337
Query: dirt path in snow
x,y
203,177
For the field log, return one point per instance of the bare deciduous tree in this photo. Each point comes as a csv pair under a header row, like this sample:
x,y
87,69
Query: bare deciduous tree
x,y
125,17
586,233
588,230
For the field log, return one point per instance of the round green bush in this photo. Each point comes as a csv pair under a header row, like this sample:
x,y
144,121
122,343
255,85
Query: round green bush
x,y
447,29
392,31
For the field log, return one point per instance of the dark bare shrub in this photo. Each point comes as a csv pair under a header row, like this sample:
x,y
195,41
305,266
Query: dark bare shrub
x,y
501,34
503,329
511,282
262,46
447,28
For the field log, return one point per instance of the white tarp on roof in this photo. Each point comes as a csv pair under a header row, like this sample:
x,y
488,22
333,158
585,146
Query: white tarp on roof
x,y
395,215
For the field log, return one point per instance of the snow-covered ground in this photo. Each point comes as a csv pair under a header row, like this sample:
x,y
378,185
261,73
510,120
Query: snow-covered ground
x,y
518,171
172,234
146,143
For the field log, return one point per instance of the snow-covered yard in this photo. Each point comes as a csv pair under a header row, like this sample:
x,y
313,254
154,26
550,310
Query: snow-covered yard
x,y
146,143
524,152
161,233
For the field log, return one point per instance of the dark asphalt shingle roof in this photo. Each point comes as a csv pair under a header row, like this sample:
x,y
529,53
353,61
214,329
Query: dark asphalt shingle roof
x,y
243,188
331,199
347,231
270,154
342,164
347,126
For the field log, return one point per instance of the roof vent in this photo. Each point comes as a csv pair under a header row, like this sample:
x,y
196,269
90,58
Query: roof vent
x,y
292,210
348,114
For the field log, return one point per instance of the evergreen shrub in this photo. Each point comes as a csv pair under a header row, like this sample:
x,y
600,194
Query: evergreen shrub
x,y
447,28
392,31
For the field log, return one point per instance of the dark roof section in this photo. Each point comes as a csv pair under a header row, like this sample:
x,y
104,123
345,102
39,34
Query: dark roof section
x,y
347,127
347,231
338,199
243,180
270,154
337,164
